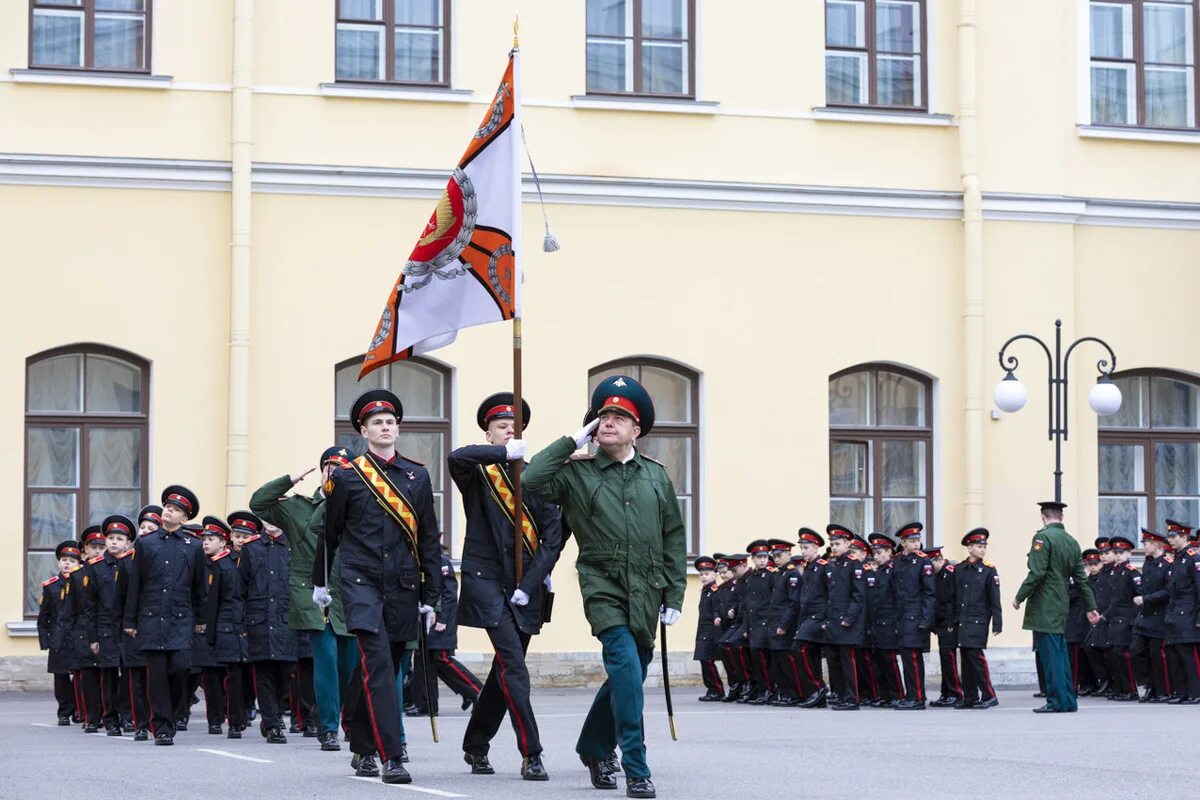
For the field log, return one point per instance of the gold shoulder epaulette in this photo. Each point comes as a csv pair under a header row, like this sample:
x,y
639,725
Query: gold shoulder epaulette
x,y
988,564
650,458
94,559
582,457
49,581
126,554
220,555
250,539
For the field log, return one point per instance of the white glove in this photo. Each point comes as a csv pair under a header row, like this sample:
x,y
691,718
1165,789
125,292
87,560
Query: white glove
x,y
322,597
519,598
549,584
429,615
584,434
515,449
669,616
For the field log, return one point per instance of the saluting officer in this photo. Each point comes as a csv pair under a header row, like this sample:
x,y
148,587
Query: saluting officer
x,y
917,597
844,621
977,592
491,598
165,604
705,650
632,563
379,512
1149,646
1125,584
1183,612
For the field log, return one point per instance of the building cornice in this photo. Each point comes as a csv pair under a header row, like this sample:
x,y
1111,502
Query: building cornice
x,y
356,181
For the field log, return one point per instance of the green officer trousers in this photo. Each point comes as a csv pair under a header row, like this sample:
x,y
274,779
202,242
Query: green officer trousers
x,y
616,714
1056,664
334,660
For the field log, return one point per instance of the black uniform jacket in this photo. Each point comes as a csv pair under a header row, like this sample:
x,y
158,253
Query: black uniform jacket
x,y
447,610
1151,617
781,602
1183,606
1121,611
977,587
1077,624
264,569
102,610
758,586
705,639
883,611
945,608
80,650
916,596
131,656
382,579
168,585
488,562
807,593
845,620
54,624
727,601
226,631
1101,584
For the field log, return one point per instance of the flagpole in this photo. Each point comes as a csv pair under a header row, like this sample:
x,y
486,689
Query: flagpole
x,y
518,403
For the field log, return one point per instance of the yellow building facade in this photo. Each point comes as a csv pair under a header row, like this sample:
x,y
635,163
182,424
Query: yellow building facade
x,y
810,224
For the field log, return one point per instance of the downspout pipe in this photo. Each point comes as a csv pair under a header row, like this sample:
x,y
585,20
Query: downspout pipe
x,y
241,147
974,390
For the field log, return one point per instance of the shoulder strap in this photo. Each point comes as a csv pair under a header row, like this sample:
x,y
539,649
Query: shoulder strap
x,y
391,499
501,490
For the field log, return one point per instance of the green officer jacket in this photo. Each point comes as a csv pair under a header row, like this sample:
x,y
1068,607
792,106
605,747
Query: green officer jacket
x,y
1054,556
632,541
299,517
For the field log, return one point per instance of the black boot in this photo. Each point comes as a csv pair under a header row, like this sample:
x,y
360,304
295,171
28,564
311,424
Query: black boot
x,y
601,778
532,769
612,763
479,763
275,736
712,696
329,741
364,766
394,772
639,787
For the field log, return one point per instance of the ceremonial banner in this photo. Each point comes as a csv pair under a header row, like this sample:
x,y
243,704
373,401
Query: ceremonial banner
x,y
463,270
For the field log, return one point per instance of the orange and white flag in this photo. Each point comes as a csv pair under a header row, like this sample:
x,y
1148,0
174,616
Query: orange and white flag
x,y
464,269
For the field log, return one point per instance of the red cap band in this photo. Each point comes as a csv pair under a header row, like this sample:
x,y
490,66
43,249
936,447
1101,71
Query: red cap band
x,y
760,549
977,538
1178,529
496,410
179,500
69,551
217,529
119,527
376,407
624,405
808,537
93,536
1121,546
152,517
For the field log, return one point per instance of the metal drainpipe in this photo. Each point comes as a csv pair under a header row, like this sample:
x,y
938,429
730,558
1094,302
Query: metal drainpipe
x,y
241,148
973,305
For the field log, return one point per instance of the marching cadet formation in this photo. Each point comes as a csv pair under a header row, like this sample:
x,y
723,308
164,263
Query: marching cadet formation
x,y
326,607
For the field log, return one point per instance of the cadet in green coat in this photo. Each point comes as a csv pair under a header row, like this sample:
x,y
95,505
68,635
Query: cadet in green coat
x,y
1054,557
334,650
632,563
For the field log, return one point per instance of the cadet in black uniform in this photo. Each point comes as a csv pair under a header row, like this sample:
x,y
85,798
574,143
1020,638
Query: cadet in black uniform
x,y
213,535
149,520
104,615
1149,646
1183,613
758,586
883,624
806,604
227,639
977,592
917,597
84,660
440,647
54,628
165,604
844,621
726,630
1096,646
704,651
379,512
785,674
945,612
1126,584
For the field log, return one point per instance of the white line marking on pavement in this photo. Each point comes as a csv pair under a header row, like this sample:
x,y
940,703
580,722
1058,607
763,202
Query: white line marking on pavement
x,y
228,754
410,787
44,725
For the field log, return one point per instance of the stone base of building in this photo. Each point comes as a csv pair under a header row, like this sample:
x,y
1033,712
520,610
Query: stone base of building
x,y
1010,666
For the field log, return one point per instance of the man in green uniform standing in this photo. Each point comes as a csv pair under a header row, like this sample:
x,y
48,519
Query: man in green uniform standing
x,y
632,563
1053,558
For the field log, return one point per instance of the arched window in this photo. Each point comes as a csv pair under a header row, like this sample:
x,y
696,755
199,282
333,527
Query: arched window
x,y
880,449
675,440
86,448
1150,453
423,386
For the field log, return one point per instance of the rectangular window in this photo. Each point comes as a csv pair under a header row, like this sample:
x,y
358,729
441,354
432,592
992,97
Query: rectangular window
x,y
393,41
641,47
103,35
1143,63
875,53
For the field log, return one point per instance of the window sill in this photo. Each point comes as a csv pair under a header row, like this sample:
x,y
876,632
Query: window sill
x,y
387,92
22,629
1138,134
90,78
652,104
883,117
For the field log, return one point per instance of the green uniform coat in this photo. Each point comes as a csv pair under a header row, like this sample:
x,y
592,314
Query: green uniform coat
x,y
299,517
1054,556
632,541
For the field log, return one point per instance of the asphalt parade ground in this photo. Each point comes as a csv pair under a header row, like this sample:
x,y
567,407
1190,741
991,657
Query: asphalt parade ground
x,y
1106,750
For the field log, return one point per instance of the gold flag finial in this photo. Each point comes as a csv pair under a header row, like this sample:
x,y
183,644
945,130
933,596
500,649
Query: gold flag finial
x,y
516,26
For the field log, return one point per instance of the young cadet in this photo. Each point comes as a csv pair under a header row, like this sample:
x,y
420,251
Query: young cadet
x,y
1096,648
705,650
1077,632
149,520
883,626
186,689
204,664
379,515
271,643
135,701
54,628
977,592
225,627
785,674
759,587
844,621
868,683
439,662
1125,584
104,613
1148,646
945,612
85,662
806,606
1183,613
725,628
168,585
491,598
917,597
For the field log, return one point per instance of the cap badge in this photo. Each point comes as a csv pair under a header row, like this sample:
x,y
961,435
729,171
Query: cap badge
x,y
619,382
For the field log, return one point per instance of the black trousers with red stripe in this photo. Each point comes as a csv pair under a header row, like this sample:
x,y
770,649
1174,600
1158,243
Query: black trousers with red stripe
x,y
843,671
1151,664
868,681
913,662
441,665
302,693
737,666
88,684
1187,667
271,679
951,682
760,667
372,702
711,676
110,697
212,681
233,687
1120,666
976,677
807,656
785,675
506,689
887,675
64,693
166,678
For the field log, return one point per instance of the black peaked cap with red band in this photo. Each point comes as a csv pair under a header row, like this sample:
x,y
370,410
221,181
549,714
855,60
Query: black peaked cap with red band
x,y
181,497
152,513
910,530
759,547
625,395
881,540
704,562
1153,536
974,536
214,526
376,401
119,523
68,548
92,533
835,531
500,406
809,535
246,522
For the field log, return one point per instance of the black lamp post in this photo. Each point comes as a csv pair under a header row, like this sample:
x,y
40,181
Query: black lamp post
x,y
1104,398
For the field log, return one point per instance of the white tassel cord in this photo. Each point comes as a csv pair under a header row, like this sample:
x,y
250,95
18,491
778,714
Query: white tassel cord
x,y
550,243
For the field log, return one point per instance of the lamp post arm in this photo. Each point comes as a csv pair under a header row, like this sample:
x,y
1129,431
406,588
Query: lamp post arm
x,y
1010,363
1110,363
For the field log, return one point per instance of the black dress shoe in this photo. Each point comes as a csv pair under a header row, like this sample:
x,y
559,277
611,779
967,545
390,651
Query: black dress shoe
x,y
275,736
329,741
1191,701
945,701
1039,694
989,703
479,763
639,787
64,721
910,705
759,699
182,723
961,704
127,727
164,739
735,691
364,766
215,730
844,707
1046,709
141,735
413,711
817,699
404,753
601,778
532,769
310,731
293,728
91,729
234,733
113,731
394,772
712,696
